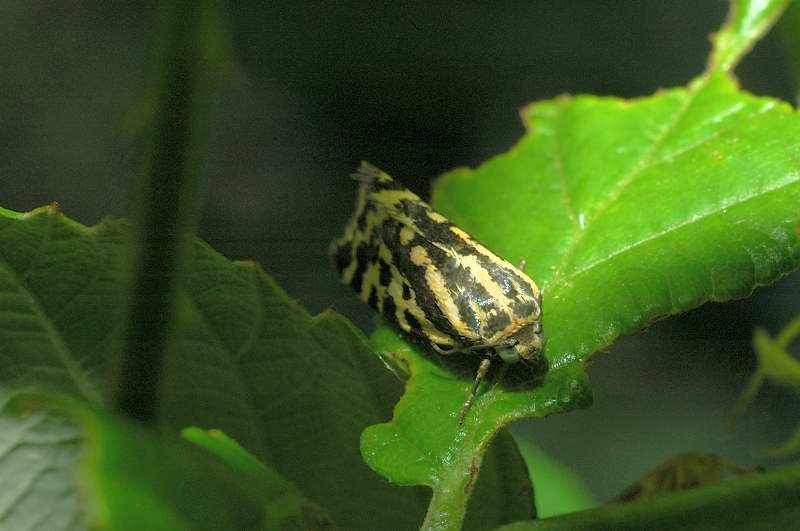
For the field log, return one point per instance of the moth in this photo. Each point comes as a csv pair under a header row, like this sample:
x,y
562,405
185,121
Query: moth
x,y
434,281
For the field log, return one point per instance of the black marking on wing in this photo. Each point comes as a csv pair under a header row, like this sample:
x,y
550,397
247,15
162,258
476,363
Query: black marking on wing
x,y
361,220
406,292
461,284
415,276
385,277
496,322
373,298
468,292
413,323
439,232
390,309
508,280
342,256
365,253
435,231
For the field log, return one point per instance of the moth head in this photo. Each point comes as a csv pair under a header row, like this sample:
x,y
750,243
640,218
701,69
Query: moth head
x,y
525,345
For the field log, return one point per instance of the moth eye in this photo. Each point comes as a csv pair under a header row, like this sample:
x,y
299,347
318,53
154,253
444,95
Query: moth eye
x,y
508,354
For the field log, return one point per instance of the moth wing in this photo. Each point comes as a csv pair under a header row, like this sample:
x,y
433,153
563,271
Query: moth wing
x,y
425,274
478,294
373,260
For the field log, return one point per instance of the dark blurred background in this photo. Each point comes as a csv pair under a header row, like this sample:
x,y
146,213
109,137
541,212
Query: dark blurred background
x,y
416,88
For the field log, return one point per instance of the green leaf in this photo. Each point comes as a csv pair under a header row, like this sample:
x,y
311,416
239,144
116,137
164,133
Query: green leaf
x,y
503,490
288,508
295,391
777,365
136,480
559,489
425,422
680,472
38,455
757,501
57,291
626,212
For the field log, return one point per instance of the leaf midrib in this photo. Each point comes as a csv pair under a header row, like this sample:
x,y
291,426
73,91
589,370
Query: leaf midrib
x,y
624,182
645,163
672,228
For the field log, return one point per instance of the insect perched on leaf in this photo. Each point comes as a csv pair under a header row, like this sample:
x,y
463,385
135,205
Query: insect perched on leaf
x,y
434,281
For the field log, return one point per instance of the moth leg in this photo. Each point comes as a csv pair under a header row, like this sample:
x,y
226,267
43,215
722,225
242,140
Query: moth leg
x,y
521,265
505,343
467,350
443,352
483,368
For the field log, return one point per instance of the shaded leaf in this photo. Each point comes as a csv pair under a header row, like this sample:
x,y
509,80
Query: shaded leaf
x,y
287,507
559,489
683,471
134,480
294,390
757,501
58,287
503,492
778,366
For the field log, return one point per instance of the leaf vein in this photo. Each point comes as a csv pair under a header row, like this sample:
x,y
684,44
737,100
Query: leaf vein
x,y
248,402
69,361
672,228
632,174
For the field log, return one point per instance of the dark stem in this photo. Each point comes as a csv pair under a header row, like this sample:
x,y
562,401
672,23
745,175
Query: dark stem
x,y
166,202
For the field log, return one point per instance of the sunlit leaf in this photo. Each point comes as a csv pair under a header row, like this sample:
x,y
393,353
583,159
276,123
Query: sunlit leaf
x,y
625,212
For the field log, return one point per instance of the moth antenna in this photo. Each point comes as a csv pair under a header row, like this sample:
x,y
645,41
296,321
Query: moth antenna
x,y
483,368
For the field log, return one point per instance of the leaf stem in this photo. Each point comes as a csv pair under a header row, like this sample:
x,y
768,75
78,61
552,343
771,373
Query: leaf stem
x,y
448,505
167,197
747,21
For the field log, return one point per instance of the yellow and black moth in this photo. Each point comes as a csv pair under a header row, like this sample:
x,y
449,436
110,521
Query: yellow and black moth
x,y
434,281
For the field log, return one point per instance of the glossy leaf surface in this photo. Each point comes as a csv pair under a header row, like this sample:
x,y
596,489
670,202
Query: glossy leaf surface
x,y
625,212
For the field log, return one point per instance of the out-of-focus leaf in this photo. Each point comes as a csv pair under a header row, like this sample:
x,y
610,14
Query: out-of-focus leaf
x,y
559,490
790,31
778,366
294,390
58,289
133,479
681,472
754,502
